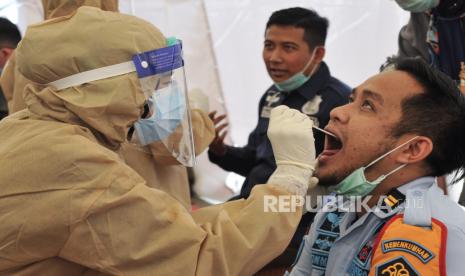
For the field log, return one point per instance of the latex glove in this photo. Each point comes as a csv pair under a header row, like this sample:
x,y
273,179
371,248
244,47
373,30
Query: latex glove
x,y
291,136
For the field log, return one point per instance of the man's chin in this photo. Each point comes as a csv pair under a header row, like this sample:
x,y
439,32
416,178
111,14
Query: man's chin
x,y
327,182
327,179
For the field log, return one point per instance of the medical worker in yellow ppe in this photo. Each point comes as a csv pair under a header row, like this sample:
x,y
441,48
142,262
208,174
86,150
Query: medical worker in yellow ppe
x,y
69,205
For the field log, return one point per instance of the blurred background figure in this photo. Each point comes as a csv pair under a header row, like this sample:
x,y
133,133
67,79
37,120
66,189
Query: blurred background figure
x,y
9,39
435,33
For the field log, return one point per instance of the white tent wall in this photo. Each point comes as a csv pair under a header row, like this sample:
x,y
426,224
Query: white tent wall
x,y
29,12
8,9
223,42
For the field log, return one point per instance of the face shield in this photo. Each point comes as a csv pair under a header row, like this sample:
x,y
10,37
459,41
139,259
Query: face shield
x,y
162,79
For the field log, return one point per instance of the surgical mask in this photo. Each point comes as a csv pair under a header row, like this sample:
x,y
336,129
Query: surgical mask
x,y
356,183
299,78
417,5
169,108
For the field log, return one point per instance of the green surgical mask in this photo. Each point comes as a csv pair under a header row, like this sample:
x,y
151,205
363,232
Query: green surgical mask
x,y
356,183
298,79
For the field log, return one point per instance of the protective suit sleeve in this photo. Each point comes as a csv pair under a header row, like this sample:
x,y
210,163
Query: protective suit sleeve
x,y
254,240
203,132
134,230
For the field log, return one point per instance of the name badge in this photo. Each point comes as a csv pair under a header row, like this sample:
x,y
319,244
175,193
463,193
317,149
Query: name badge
x,y
266,111
271,99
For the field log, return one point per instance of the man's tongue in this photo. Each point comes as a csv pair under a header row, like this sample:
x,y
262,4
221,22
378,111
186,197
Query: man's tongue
x,y
329,152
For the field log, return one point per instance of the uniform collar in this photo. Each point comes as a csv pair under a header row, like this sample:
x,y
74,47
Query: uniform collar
x,y
317,82
419,183
422,183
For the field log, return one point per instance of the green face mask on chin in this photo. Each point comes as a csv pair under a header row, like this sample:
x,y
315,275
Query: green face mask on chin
x,y
356,183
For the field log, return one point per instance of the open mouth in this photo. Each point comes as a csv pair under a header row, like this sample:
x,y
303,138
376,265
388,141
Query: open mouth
x,y
332,143
332,146
278,72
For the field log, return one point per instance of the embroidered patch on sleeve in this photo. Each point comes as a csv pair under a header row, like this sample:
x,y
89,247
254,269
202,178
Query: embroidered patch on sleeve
x,y
320,250
397,266
416,249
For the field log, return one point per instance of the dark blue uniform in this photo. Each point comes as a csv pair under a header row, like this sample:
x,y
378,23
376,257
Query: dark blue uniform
x,y
316,98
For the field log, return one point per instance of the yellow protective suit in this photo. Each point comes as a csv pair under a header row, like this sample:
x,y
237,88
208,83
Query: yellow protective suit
x,y
154,164
70,206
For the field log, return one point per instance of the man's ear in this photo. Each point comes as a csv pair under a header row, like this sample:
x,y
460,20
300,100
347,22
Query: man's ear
x,y
8,52
5,54
415,151
320,53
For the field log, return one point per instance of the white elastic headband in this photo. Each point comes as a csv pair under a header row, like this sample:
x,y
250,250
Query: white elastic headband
x,y
94,74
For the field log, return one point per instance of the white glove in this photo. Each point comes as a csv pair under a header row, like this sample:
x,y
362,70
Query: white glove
x,y
291,136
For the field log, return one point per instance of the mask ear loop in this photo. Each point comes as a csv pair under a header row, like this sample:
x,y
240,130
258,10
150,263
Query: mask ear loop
x,y
382,177
310,62
389,152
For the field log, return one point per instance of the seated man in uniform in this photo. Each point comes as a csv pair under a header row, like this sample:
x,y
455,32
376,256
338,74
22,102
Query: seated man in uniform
x,y
402,128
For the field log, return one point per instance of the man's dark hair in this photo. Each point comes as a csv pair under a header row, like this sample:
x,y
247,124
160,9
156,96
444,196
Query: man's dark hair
x,y
315,27
9,34
438,113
